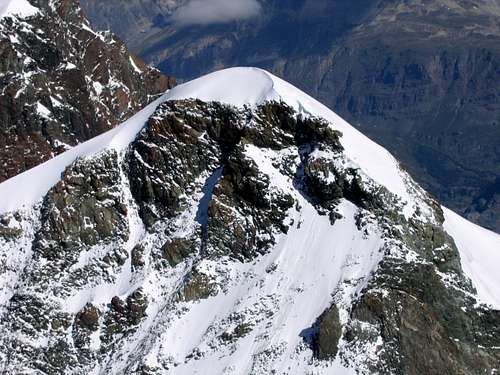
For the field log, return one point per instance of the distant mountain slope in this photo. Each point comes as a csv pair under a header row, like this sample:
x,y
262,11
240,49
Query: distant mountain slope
x,y
238,226
61,83
420,77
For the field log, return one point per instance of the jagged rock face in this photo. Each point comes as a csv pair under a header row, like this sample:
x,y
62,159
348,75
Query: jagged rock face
x,y
412,314
171,257
419,77
61,84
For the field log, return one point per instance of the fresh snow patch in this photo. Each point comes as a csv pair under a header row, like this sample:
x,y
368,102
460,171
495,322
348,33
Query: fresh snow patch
x,y
69,66
42,110
97,88
21,8
480,256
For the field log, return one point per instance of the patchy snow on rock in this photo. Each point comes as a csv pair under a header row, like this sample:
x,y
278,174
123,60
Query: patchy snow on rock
x,y
14,257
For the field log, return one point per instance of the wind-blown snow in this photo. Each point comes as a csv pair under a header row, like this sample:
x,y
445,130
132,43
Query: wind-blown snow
x,y
21,8
480,256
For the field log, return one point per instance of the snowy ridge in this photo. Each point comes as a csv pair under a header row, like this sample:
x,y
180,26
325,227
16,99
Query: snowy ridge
x,y
235,86
37,181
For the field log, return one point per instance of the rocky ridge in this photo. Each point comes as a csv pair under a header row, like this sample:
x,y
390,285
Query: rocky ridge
x,y
62,83
254,239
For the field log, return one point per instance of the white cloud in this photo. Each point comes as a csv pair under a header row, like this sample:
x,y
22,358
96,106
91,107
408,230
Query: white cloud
x,y
203,12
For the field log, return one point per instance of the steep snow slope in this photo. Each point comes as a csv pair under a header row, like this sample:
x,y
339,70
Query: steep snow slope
x,y
20,8
306,267
134,280
480,255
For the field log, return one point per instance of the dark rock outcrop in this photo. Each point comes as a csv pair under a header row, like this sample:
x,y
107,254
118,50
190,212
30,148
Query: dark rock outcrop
x,y
327,335
83,209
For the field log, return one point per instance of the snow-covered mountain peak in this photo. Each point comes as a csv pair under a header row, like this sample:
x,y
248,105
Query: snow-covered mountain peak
x,y
238,226
238,87
253,86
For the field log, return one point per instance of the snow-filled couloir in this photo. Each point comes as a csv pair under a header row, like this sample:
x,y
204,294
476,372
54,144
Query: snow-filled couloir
x,y
238,226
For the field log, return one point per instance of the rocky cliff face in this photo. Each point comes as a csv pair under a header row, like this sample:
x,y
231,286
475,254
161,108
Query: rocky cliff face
x,y
240,240
61,84
417,76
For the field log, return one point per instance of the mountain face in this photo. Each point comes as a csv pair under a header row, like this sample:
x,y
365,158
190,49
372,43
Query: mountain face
x,y
136,18
420,77
237,226
61,83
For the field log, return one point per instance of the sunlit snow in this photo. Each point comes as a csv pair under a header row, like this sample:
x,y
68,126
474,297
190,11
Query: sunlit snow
x,y
21,8
294,282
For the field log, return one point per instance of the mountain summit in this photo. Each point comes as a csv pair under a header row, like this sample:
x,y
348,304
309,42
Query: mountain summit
x,y
238,226
419,77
